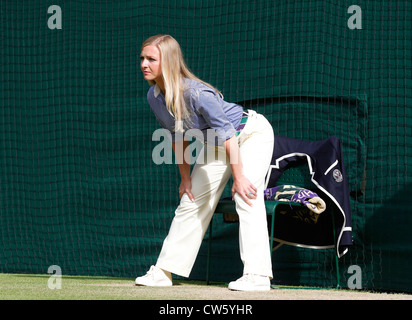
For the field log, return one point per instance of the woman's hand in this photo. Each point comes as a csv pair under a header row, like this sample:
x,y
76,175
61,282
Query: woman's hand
x,y
184,169
186,187
243,187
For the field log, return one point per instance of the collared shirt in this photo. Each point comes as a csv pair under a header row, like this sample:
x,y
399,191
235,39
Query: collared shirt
x,y
208,111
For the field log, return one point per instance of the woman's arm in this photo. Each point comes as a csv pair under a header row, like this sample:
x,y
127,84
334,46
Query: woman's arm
x,y
241,185
184,168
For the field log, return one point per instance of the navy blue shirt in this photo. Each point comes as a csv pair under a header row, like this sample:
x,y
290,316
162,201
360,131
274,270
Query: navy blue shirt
x,y
207,108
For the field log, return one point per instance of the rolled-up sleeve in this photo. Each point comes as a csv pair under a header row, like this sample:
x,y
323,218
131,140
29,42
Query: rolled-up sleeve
x,y
208,105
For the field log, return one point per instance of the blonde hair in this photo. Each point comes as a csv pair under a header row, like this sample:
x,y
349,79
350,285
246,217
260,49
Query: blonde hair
x,y
174,69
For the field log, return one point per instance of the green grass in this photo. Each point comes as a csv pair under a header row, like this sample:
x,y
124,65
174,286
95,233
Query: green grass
x,y
35,287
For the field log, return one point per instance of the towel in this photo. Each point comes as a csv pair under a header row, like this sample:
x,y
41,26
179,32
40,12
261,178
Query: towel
x,y
296,194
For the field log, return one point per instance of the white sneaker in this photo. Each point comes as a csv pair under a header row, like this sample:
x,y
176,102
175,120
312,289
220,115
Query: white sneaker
x,y
250,282
155,277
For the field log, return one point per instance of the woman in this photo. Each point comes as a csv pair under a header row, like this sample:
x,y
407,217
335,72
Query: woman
x,y
241,145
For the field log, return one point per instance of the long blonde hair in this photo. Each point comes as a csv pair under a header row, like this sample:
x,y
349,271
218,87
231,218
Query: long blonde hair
x,y
174,69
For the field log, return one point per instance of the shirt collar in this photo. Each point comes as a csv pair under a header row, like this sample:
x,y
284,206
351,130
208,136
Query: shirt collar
x,y
156,91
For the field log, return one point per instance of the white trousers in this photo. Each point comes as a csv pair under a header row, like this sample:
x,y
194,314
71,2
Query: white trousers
x,y
209,178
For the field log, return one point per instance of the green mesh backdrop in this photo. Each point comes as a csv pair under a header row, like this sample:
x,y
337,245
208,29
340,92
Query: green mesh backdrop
x,y
78,187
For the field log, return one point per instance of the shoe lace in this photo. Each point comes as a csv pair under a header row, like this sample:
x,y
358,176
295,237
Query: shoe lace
x,y
246,278
151,271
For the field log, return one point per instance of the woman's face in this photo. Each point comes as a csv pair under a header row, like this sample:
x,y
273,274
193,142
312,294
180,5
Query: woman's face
x,y
150,63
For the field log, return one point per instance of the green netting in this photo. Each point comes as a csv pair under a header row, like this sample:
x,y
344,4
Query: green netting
x,y
78,187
